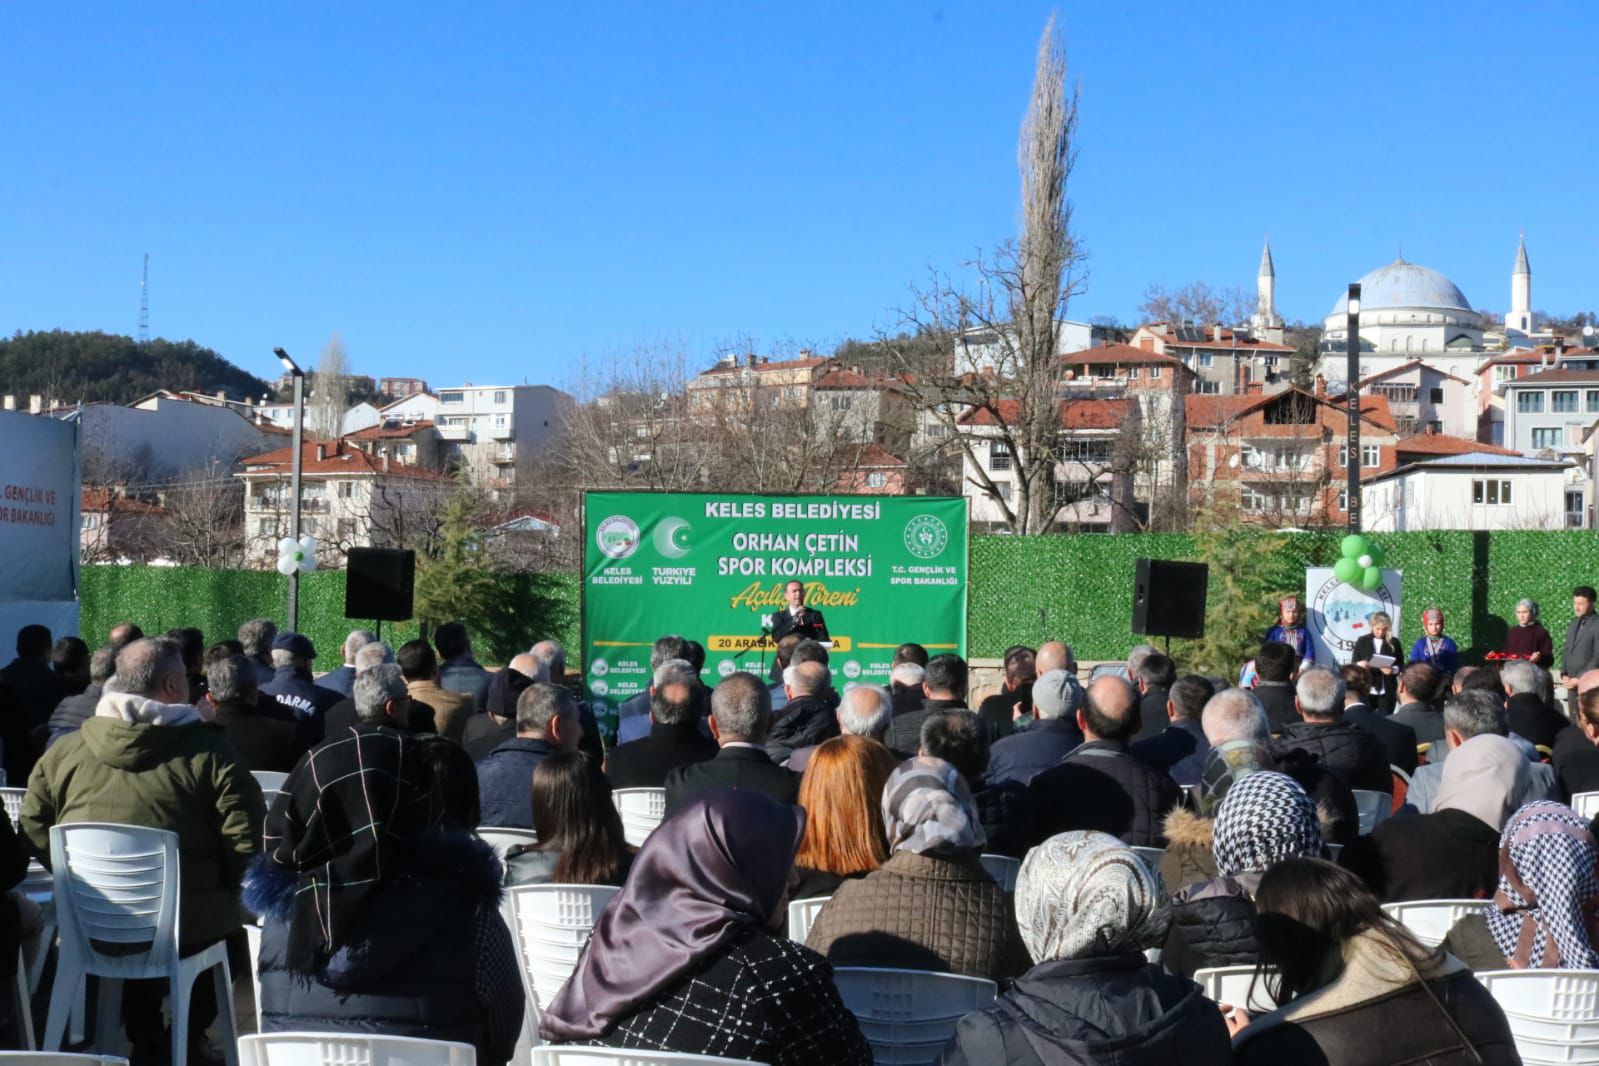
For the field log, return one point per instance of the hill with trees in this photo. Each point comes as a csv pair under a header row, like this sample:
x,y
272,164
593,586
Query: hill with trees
x,y
102,367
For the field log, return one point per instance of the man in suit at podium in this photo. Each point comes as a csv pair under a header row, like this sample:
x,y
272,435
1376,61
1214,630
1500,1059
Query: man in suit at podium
x,y
796,618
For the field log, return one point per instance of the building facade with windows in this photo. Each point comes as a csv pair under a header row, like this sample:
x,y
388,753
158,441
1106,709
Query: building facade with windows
x,y
1474,490
1550,410
1424,399
497,433
1087,489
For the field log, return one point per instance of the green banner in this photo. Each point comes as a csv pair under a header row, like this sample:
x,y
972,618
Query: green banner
x,y
713,567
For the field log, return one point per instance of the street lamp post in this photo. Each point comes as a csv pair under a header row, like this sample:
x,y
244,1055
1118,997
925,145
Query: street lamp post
x,y
294,479
1352,350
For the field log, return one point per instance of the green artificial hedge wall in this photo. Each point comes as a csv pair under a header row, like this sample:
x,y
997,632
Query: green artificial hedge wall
x,y
1023,590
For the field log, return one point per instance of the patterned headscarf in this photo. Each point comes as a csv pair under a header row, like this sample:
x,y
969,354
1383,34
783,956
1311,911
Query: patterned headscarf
x,y
1543,915
1532,610
1265,819
1432,614
927,807
1287,607
1225,765
1082,894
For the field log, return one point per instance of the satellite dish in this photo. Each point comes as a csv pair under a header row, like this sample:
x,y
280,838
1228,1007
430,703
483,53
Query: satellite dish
x,y
1587,331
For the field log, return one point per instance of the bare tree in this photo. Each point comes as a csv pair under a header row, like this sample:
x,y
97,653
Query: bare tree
x,y
330,391
1199,302
203,519
632,429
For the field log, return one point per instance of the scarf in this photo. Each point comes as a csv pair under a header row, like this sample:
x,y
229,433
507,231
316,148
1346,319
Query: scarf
x,y
712,870
142,710
1264,819
1225,765
1487,777
348,813
1083,894
927,807
1545,913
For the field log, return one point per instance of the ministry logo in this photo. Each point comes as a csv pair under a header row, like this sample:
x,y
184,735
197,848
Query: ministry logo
x,y
925,536
617,536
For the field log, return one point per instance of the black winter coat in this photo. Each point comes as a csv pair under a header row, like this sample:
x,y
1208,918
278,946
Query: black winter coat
x,y
1345,749
1448,854
1112,1011
1576,762
905,731
1534,719
1102,785
1212,924
804,723
1397,739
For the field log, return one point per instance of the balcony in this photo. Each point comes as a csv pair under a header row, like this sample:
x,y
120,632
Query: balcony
x,y
503,455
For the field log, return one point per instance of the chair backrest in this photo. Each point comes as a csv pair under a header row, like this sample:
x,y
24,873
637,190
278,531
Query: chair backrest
x,y
1231,985
269,780
339,1049
117,884
62,1058
641,809
605,1056
1431,919
909,1015
1552,1013
1586,804
1373,807
252,939
802,915
12,798
1003,869
550,924
503,840
1152,857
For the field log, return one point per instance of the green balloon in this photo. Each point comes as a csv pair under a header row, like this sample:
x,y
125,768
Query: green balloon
x,y
1354,546
1371,580
1374,550
1347,571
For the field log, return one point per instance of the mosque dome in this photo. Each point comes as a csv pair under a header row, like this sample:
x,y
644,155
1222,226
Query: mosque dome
x,y
1405,285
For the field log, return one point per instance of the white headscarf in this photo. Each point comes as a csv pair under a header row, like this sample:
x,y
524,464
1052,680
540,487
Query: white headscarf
x,y
1488,777
1082,894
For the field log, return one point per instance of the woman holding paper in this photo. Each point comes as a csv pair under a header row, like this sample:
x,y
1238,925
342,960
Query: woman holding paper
x,y
1380,644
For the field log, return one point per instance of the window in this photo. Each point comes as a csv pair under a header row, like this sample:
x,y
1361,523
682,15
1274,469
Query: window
x,y
1208,388
1254,501
1529,402
499,421
1435,426
1575,512
267,527
1546,438
1504,373
1593,401
1563,401
1343,500
938,431
839,402
1492,493
452,397
999,456
1132,372
1086,451
1207,359
1154,372
1436,395
1004,490
346,489
876,479
1370,455
499,396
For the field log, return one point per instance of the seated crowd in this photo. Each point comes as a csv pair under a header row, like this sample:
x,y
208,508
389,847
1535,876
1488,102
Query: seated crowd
x,y
1164,823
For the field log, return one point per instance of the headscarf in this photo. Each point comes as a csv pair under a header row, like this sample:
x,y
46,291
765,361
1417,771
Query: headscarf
x,y
349,812
1265,818
713,869
1532,610
1543,915
1287,607
927,807
1082,894
1487,777
1225,765
1432,614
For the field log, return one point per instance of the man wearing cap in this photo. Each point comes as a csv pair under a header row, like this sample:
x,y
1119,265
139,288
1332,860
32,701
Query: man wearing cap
x,y
1019,757
291,684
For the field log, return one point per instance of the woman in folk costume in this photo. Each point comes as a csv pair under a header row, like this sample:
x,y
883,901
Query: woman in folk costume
x,y
1432,646
1290,630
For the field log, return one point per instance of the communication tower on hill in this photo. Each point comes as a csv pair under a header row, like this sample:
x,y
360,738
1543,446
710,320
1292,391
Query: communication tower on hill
x,y
144,303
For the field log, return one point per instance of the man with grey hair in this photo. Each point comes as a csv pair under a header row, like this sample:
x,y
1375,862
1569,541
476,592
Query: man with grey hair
x,y
633,715
257,636
675,738
342,679
864,711
551,658
1235,714
148,758
266,737
808,717
546,722
1344,748
905,687
381,697
741,711
1020,757
1530,716
1468,714
343,715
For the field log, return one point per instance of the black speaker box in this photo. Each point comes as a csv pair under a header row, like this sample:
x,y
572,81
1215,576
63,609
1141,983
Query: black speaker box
x,y
378,583
1169,598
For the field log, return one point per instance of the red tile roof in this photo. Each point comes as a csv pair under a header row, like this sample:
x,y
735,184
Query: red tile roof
x,y
1211,411
389,430
101,499
1117,353
841,378
1391,371
1555,377
1444,444
792,364
1229,341
867,456
338,458
1074,414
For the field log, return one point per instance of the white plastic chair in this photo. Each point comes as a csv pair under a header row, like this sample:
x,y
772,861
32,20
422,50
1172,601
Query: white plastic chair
x,y
269,780
252,937
339,1049
1231,985
1374,807
641,809
22,1003
909,1015
1152,857
1586,804
503,840
62,1058
12,798
1553,1014
550,925
605,1056
118,884
1431,919
1003,869
802,915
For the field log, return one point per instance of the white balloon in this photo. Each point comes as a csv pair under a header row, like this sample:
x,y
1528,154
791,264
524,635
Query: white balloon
x,y
286,544
1364,561
286,566
308,544
308,564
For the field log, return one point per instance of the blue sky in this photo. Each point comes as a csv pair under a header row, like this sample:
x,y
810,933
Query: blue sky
x,y
486,192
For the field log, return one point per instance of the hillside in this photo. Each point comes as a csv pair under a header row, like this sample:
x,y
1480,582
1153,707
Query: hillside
x,y
89,367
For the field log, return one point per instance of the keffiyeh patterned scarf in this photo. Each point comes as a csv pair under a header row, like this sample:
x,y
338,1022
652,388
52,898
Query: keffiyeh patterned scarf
x,y
1264,819
927,807
1225,765
1543,915
1083,894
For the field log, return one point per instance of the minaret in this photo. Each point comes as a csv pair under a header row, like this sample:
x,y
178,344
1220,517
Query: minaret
x,y
1266,323
1519,320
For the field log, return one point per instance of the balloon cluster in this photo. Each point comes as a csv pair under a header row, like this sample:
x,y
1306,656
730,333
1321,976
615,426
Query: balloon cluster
x,y
296,555
1361,564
